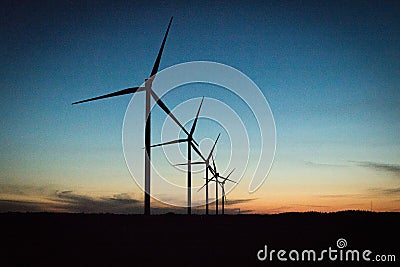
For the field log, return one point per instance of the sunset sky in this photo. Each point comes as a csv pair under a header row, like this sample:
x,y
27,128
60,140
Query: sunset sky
x,y
330,71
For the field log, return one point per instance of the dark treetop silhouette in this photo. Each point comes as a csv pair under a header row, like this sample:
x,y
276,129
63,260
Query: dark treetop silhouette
x,y
149,93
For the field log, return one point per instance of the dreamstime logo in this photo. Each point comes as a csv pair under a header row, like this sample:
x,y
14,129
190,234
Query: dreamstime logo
x,y
331,254
341,243
233,106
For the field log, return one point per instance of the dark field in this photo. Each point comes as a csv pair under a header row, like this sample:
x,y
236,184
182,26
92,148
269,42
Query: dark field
x,y
44,239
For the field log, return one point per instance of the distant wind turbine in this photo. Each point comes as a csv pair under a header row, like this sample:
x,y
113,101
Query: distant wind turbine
x,y
208,167
149,93
215,178
222,184
190,144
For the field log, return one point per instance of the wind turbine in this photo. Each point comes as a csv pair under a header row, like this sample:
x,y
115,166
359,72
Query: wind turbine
x,y
190,144
208,167
149,93
222,184
215,178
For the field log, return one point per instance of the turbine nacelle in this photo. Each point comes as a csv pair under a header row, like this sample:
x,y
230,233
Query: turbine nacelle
x,y
149,81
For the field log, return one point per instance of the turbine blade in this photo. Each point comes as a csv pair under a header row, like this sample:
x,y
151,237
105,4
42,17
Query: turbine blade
x,y
211,170
197,151
212,149
118,93
230,173
181,164
158,59
209,180
213,178
198,190
166,110
170,142
192,163
215,167
197,117
226,179
198,163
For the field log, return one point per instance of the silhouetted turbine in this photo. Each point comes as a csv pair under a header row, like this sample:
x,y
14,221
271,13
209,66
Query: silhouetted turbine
x,y
190,145
215,178
222,184
149,93
208,167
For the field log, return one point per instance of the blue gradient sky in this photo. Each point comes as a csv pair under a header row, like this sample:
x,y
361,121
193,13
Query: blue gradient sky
x,y
330,71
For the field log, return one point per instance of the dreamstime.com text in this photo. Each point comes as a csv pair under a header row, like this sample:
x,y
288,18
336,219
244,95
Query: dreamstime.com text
x,y
331,254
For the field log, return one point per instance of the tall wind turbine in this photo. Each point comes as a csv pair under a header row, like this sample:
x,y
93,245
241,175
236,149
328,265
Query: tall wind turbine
x,y
215,178
208,167
149,93
190,144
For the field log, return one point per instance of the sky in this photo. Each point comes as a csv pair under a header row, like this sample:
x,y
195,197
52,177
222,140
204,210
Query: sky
x,y
330,71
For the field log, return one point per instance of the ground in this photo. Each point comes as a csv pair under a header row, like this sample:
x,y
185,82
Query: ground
x,y
54,239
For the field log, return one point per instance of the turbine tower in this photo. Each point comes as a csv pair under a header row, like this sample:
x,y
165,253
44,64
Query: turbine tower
x,y
208,167
149,93
190,144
